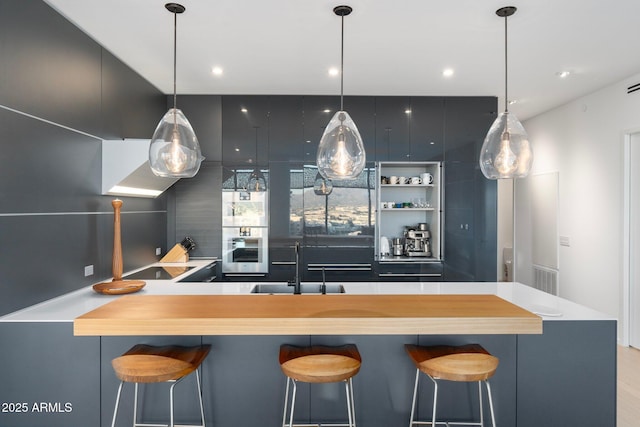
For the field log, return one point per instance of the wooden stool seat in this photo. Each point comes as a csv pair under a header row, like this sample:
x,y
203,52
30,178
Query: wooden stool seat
x,y
320,364
144,363
468,363
149,364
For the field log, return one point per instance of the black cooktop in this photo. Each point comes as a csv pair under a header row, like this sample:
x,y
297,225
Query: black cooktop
x,y
159,273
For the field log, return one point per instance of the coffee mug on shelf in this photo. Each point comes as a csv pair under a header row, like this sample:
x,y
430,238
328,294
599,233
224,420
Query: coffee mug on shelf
x,y
402,180
427,178
415,180
393,180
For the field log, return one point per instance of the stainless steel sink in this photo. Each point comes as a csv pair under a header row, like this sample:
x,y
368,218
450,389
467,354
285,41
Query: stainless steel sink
x,y
305,288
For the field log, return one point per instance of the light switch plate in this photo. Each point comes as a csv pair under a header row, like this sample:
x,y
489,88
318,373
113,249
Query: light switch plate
x,y
158,251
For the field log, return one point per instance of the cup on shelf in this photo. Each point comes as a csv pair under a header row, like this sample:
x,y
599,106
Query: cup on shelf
x,y
398,204
415,180
427,178
402,180
393,179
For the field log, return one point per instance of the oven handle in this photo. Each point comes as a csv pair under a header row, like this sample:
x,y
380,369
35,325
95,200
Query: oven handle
x,y
339,267
283,263
409,274
245,274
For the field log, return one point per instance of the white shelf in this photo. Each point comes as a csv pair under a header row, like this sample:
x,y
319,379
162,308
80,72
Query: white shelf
x,y
407,209
407,185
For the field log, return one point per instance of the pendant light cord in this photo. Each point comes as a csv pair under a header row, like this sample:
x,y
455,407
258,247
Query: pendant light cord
x,y
175,42
342,65
506,97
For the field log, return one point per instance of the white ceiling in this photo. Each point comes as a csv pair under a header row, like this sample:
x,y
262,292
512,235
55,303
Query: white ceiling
x,y
395,47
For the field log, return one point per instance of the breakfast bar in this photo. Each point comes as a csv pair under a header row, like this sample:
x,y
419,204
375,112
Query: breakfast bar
x,y
307,315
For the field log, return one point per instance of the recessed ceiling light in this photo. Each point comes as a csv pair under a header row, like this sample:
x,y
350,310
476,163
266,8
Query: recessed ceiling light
x,y
327,110
563,74
237,149
216,71
407,111
244,110
333,71
513,101
432,143
447,72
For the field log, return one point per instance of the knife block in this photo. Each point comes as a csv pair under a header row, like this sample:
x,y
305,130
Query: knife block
x,y
177,254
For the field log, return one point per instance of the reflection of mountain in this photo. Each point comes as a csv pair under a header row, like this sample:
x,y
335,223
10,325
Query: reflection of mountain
x,y
339,197
348,211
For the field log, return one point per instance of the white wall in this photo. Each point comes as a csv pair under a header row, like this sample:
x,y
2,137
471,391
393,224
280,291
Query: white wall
x,y
583,142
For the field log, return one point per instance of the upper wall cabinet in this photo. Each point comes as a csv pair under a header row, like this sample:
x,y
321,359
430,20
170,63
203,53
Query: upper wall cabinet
x,y
245,126
286,134
55,77
467,122
362,110
427,129
393,136
204,112
318,111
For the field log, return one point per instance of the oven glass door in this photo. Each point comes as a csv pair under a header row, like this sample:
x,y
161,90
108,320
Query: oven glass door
x,y
244,208
245,250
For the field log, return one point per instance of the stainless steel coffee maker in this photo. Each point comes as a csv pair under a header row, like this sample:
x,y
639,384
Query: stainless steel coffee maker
x,y
417,240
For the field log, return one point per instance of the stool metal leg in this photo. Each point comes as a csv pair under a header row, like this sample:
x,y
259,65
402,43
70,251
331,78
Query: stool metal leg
x,y
480,400
435,399
415,394
286,403
350,408
493,417
353,402
115,410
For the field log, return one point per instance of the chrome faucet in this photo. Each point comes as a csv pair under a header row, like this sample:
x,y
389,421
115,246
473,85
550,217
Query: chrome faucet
x,y
296,280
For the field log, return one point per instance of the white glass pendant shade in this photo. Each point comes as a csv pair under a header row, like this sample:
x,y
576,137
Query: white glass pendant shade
x,y
257,182
174,150
341,152
506,152
322,186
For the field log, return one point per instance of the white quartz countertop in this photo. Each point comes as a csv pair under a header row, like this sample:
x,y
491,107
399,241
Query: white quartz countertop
x,y
67,307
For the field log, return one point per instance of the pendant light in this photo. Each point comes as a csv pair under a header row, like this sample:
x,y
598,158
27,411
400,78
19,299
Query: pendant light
x,y
341,151
322,186
506,152
174,150
257,182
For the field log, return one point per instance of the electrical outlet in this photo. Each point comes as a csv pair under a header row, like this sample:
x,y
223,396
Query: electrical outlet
x,y
158,251
88,270
564,241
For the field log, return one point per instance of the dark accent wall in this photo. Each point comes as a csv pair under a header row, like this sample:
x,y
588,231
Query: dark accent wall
x,y
60,94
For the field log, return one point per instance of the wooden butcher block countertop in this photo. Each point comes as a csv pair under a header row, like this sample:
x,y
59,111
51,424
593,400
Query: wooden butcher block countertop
x,y
307,315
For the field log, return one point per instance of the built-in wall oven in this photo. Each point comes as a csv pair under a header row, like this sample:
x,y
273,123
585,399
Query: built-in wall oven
x,y
245,233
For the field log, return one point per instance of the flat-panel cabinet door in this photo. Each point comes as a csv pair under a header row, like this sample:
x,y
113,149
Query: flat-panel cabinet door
x,y
427,129
317,111
393,136
286,135
245,125
362,110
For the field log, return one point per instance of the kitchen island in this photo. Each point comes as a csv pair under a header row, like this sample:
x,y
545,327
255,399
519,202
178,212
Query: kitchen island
x,y
564,376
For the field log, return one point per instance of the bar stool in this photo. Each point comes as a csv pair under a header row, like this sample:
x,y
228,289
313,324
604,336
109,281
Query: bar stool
x,y
149,364
466,363
320,364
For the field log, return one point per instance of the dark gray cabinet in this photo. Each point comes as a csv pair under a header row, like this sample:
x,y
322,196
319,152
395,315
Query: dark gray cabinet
x,y
285,132
245,127
318,111
471,199
427,129
393,134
